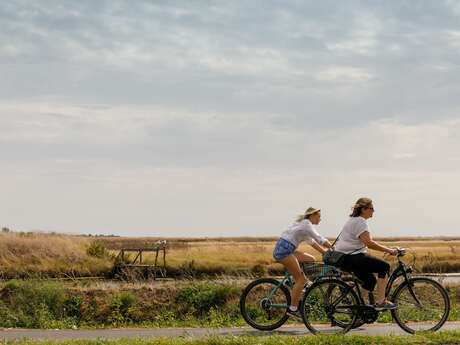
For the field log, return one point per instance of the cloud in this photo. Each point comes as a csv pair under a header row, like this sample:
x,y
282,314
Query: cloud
x,y
344,74
147,110
293,58
155,136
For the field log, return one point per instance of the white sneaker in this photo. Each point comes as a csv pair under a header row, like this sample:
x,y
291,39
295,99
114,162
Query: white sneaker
x,y
385,305
295,313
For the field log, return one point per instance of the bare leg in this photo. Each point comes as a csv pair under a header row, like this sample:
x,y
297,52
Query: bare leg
x,y
381,284
292,265
366,294
304,257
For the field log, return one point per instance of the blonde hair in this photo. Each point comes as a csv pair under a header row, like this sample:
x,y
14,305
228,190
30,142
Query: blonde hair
x,y
301,217
306,214
359,206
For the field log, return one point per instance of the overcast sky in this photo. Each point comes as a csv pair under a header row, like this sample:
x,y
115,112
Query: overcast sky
x,y
229,118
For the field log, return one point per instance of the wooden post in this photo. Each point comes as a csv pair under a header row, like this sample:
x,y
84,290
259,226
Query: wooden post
x,y
164,261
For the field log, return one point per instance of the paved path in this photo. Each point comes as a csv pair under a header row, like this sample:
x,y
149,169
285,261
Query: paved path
x,y
11,334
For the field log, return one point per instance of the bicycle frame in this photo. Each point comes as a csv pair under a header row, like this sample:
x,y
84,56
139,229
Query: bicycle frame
x,y
402,270
287,280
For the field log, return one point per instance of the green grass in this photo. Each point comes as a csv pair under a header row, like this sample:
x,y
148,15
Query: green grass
x,y
48,304
441,338
35,304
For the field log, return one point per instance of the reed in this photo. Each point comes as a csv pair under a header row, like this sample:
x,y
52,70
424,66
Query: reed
x,y
24,255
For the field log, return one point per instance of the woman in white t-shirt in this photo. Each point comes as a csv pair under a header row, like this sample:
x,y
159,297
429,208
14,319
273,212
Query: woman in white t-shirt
x,y
354,240
286,251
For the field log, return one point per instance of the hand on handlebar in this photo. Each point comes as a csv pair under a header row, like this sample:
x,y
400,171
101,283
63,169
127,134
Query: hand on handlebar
x,y
397,251
394,251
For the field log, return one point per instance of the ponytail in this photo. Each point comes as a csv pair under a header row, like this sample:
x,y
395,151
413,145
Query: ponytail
x,y
362,203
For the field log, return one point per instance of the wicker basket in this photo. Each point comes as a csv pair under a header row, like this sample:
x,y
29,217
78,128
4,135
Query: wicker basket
x,y
316,270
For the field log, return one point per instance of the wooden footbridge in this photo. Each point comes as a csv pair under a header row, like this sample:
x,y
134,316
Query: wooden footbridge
x,y
126,267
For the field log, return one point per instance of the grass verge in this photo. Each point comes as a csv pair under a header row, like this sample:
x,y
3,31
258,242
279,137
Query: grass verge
x,y
441,338
47,304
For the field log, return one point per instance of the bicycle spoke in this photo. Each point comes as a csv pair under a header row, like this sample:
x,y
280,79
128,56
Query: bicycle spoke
x,y
432,311
327,307
343,312
321,289
339,299
420,307
263,304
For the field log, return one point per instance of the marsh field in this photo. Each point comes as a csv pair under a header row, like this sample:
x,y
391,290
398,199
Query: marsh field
x,y
26,255
43,281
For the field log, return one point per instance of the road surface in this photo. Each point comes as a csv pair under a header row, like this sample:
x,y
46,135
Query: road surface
x,y
299,330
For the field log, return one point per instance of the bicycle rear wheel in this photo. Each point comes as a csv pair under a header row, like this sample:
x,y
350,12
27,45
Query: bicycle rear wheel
x,y
429,313
330,306
264,303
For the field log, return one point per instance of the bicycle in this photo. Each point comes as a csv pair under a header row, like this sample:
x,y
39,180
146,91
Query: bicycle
x,y
264,302
335,305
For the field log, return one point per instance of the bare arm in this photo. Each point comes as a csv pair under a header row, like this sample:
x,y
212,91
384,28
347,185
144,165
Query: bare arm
x,y
318,247
318,239
327,244
370,243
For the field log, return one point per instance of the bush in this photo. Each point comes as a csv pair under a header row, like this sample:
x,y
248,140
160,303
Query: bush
x,y
73,307
44,304
122,308
259,270
7,318
437,266
97,250
200,298
34,305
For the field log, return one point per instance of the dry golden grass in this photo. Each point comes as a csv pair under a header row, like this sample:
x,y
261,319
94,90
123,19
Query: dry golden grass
x,y
423,254
23,255
239,254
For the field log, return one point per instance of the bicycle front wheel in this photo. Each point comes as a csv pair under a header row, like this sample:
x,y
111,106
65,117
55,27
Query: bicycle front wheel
x,y
330,306
263,304
422,305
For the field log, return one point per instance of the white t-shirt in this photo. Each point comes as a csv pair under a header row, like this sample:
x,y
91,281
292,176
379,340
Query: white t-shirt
x,y
302,231
349,241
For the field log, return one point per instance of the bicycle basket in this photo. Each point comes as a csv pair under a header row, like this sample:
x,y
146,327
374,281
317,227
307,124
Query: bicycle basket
x,y
319,270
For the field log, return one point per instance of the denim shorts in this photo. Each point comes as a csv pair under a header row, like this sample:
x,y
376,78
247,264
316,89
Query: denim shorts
x,y
283,248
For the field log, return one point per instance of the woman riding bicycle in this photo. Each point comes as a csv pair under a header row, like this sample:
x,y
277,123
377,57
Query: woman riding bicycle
x,y
354,240
287,254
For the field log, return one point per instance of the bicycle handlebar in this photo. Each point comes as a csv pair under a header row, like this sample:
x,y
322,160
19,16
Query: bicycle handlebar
x,y
401,252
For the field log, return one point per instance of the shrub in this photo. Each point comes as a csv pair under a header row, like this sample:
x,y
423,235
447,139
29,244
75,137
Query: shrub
x,y
97,250
30,294
73,307
438,266
201,297
34,305
93,311
7,318
122,308
259,270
